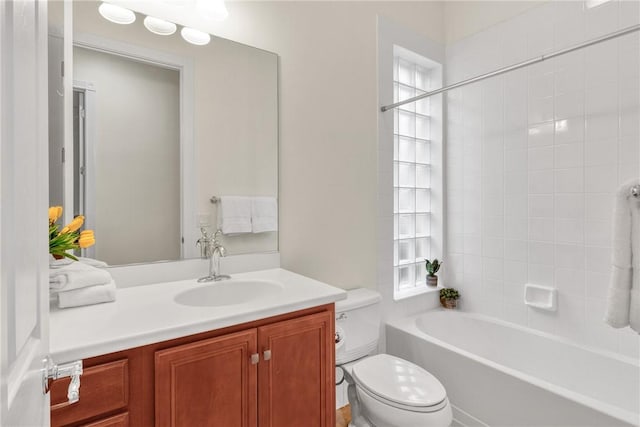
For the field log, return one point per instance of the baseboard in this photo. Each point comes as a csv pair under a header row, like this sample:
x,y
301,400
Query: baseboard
x,y
463,419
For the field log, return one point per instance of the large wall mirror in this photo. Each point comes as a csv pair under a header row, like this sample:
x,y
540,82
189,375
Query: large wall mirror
x,y
159,127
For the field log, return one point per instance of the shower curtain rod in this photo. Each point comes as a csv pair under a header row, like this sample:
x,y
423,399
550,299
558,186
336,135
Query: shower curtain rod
x,y
516,66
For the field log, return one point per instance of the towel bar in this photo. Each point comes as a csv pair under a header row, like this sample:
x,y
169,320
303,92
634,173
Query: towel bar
x,y
635,191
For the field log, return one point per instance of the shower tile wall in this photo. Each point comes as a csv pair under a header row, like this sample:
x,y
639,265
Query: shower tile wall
x,y
533,160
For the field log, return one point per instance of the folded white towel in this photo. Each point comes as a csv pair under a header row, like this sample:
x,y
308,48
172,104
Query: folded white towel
x,y
234,214
87,296
56,263
264,214
623,298
76,275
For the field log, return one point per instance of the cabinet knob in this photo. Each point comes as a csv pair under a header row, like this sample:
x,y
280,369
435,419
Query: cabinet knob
x,y
255,358
267,355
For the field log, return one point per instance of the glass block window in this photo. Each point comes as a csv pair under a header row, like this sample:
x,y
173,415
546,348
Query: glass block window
x,y
412,178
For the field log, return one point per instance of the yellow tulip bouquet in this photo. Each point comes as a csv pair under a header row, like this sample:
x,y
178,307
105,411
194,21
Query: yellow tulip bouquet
x,y
69,237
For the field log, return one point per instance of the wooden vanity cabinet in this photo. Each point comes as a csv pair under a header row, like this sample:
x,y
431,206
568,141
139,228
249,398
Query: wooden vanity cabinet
x,y
276,372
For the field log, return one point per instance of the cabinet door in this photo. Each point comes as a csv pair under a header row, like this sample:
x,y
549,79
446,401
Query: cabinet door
x,y
296,385
207,383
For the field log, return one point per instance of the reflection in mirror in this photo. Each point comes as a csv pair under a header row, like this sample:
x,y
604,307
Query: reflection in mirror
x,y
159,127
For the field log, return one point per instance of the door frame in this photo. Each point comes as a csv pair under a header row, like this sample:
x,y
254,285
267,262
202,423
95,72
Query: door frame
x,y
188,180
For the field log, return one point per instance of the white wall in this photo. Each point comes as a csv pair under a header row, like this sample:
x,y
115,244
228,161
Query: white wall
x,y
137,157
534,158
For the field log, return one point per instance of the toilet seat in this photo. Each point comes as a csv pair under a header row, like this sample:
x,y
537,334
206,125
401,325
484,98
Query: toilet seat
x,y
399,383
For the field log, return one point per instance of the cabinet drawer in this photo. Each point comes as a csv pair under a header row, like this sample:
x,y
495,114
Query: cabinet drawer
x,y
120,420
103,388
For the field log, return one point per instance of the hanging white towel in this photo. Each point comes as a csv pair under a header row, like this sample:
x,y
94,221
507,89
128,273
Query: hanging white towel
x,y
76,275
234,214
264,214
623,298
87,296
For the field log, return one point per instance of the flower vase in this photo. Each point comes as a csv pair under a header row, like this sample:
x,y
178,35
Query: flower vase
x,y
432,281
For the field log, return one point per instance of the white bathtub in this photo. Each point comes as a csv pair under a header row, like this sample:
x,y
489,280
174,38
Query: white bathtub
x,y
500,374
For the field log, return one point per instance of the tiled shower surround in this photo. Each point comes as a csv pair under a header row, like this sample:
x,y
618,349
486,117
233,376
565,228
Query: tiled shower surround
x,y
534,158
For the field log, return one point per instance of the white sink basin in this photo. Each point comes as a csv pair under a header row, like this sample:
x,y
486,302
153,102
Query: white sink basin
x,y
228,292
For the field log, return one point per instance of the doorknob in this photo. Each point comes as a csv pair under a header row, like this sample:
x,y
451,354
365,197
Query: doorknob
x,y
267,355
51,371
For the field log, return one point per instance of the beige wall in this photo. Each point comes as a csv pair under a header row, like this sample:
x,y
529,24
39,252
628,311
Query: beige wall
x,y
328,123
464,18
137,152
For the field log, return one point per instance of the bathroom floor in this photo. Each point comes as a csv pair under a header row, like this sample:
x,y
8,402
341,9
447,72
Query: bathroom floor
x,y
343,416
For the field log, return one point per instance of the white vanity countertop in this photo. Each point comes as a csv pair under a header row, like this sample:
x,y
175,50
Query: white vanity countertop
x,y
148,314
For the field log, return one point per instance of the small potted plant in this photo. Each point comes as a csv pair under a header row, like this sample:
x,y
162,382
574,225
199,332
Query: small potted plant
x,y
432,269
449,297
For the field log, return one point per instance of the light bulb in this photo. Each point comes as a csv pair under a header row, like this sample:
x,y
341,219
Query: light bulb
x,y
116,14
159,26
194,36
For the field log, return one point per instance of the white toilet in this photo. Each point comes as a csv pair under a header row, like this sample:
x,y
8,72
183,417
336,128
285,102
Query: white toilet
x,y
391,391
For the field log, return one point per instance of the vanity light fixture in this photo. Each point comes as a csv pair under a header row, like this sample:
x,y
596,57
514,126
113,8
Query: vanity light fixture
x,y
159,26
193,36
116,14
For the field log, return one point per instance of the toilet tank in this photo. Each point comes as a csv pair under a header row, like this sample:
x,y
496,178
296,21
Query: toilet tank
x,y
357,325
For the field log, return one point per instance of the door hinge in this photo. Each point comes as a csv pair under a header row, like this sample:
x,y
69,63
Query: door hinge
x,y
62,68
82,112
63,155
51,371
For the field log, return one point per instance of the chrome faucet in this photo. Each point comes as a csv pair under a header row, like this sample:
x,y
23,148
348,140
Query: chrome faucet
x,y
210,247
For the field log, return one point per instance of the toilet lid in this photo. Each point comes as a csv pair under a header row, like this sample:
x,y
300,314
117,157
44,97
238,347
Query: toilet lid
x,y
398,381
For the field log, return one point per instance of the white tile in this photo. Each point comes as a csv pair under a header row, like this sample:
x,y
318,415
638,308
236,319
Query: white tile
x,y
598,259
598,233
571,316
541,181
599,127
601,179
540,158
570,281
542,320
629,13
515,313
569,130
540,274
628,171
601,153
569,155
493,227
630,123
541,135
516,183
601,99
541,229
569,180
569,23
540,109
516,138
569,206
541,205
596,284
515,250
599,206
629,92
602,19
541,85
569,256
541,253
569,230
516,205
493,268
516,228
515,161
540,30
569,104
472,244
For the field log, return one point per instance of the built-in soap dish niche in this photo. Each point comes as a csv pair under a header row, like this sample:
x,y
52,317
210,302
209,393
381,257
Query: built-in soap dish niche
x,y
541,297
